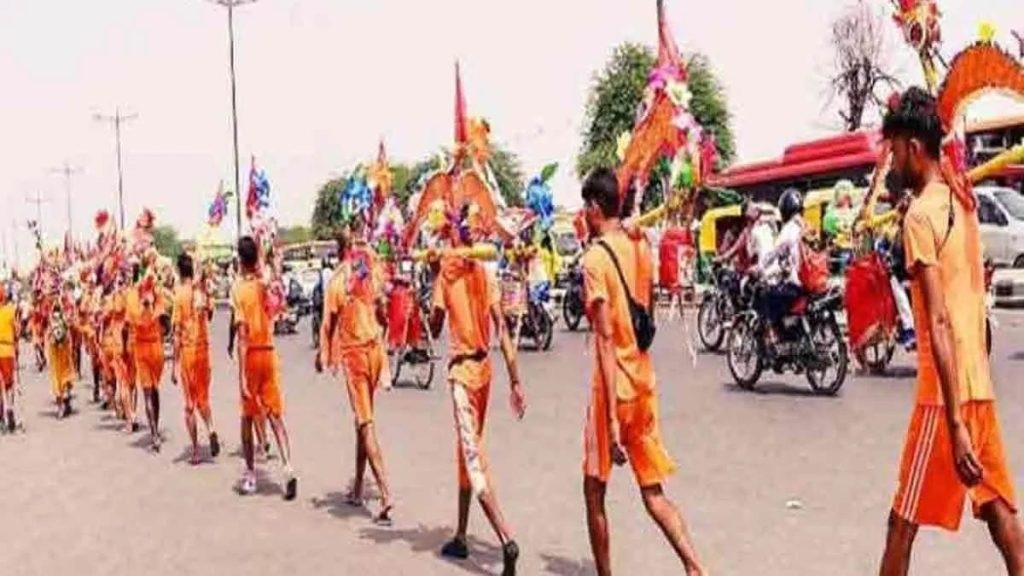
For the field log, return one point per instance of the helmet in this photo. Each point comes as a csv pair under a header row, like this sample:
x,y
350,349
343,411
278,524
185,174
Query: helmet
x,y
790,204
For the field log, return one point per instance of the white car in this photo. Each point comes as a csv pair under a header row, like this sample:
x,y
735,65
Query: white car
x,y
1001,215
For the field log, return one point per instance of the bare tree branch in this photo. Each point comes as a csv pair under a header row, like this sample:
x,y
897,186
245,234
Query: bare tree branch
x,y
860,61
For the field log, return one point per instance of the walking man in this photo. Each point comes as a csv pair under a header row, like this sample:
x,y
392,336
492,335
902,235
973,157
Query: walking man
x,y
622,421
954,446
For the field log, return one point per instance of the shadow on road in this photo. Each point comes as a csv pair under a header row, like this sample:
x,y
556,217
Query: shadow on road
x,y
775,389
565,566
186,455
483,559
1018,355
893,372
336,504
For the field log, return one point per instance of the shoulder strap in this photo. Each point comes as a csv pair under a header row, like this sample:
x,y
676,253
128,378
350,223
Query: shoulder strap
x,y
615,261
949,223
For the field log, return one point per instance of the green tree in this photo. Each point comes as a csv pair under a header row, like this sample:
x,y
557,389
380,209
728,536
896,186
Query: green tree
x,y
616,94
166,241
508,175
295,234
327,214
402,182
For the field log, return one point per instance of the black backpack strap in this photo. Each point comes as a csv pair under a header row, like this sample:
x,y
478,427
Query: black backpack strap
x,y
615,261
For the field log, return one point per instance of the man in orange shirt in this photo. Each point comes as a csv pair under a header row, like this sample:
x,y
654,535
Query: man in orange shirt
x,y
144,307
192,312
258,370
469,297
954,446
60,354
622,421
8,358
117,356
351,337
37,326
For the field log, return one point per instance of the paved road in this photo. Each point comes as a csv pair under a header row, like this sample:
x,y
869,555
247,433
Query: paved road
x,y
80,497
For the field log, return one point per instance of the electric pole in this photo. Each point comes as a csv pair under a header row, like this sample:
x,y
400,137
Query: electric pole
x,y
67,171
116,120
231,5
38,199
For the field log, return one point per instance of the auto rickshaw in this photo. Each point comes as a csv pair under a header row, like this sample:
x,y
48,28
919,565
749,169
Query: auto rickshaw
x,y
816,204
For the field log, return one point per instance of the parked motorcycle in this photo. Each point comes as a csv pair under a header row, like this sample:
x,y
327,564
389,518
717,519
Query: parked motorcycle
x,y
572,301
809,341
527,311
718,306
286,323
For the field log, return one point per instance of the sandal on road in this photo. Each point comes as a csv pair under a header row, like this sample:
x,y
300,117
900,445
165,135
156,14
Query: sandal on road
x,y
383,518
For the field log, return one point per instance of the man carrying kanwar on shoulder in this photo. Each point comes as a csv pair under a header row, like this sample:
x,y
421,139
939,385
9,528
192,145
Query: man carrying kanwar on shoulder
x,y
259,370
622,420
353,316
467,296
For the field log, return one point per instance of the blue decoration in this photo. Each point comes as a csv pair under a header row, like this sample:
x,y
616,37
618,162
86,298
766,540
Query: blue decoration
x,y
356,198
540,200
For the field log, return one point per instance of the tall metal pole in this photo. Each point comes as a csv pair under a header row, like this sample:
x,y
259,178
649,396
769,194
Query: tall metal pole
x,y
116,120
67,171
14,232
38,199
230,5
234,120
120,174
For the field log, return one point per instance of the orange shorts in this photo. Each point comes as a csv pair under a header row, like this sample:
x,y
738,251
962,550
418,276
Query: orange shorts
x,y
362,366
470,407
115,366
930,492
6,373
130,373
640,436
149,363
261,377
195,378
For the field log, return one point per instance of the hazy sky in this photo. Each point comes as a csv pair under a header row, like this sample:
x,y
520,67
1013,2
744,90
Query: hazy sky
x,y
320,81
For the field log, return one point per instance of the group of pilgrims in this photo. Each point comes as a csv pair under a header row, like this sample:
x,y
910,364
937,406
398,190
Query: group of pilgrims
x,y
129,309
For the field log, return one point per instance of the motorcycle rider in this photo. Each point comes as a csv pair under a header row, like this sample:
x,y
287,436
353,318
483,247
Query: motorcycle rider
x,y
781,263
753,242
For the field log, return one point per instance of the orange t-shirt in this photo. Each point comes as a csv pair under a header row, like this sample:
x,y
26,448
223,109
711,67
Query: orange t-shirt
x,y
8,330
958,257
143,321
191,317
634,375
247,300
114,319
352,295
465,291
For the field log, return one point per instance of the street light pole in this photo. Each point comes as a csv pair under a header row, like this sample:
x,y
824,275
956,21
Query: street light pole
x,y
38,199
117,119
67,171
230,5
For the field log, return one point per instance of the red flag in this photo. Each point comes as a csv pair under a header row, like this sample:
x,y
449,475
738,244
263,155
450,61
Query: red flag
x,y
382,154
668,53
461,134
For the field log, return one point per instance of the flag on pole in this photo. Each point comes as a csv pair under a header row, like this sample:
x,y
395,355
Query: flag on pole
x,y
259,191
668,52
219,207
461,134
